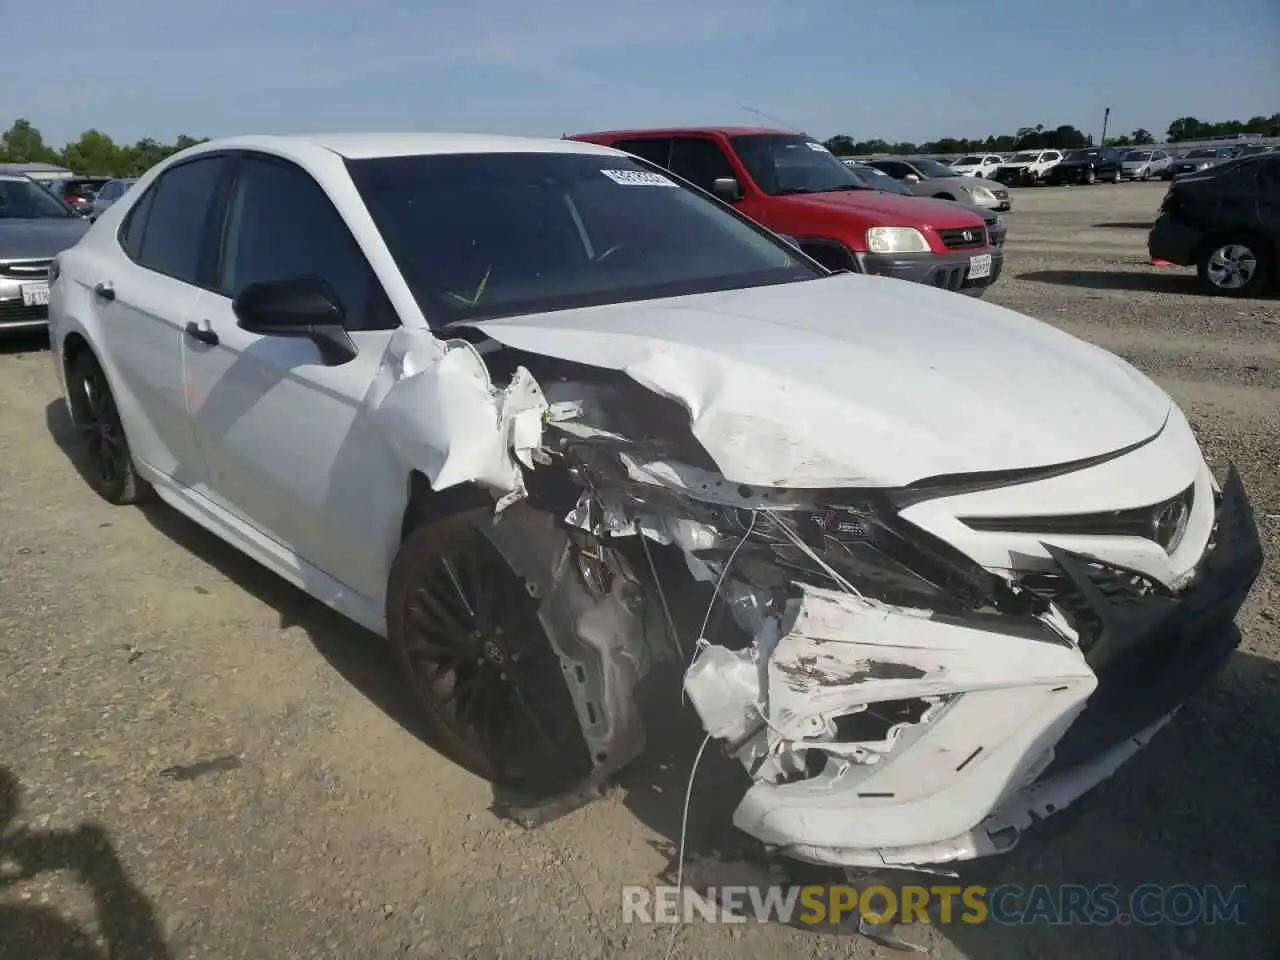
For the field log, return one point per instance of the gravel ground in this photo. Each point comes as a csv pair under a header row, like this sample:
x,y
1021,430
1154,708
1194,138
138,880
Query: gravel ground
x,y
198,761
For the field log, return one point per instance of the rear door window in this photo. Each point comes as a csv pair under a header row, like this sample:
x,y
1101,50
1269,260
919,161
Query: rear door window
x,y
175,216
700,160
654,149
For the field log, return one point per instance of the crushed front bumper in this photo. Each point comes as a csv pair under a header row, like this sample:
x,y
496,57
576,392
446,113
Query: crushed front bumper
x,y
1019,722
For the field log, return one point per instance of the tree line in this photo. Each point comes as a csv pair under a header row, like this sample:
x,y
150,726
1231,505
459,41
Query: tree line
x,y
1065,137
96,154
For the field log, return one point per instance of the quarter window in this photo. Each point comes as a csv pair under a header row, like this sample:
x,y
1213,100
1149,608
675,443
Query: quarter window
x,y
175,216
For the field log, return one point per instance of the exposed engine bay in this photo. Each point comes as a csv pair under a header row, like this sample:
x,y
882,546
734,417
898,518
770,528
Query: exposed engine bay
x,y
897,702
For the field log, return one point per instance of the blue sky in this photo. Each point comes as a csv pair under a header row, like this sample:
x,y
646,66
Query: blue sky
x,y
908,69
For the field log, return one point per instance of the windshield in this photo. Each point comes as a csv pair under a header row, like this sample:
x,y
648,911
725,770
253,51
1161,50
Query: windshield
x,y
873,178
1081,154
1138,155
486,235
1026,157
781,164
21,198
933,169
1203,153
968,162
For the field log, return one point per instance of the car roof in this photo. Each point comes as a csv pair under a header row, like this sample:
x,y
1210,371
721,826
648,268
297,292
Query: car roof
x,y
364,146
677,131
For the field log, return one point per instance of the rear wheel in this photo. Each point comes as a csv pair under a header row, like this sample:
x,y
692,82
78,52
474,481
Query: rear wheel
x,y
107,462
466,632
1235,266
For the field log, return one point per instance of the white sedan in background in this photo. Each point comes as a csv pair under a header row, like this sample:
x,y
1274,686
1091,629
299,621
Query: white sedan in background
x,y
491,397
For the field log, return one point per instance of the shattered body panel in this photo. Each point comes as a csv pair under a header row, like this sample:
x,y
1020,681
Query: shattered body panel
x,y
936,601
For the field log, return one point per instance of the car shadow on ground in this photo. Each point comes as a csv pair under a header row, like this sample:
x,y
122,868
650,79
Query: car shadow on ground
x,y
1163,281
1126,225
362,658
16,342
1173,815
1157,280
125,920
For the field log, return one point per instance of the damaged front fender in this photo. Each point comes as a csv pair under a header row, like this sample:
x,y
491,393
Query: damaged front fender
x,y
438,408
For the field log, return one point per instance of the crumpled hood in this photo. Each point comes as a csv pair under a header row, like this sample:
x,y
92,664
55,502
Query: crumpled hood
x,y
39,239
859,381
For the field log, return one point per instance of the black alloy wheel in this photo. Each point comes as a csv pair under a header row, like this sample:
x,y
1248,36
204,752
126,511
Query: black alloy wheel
x,y
107,462
466,632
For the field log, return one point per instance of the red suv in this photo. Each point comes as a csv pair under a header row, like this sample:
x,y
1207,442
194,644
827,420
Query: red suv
x,y
794,186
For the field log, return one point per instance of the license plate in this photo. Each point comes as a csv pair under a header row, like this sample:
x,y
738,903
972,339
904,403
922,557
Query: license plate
x,y
979,266
35,295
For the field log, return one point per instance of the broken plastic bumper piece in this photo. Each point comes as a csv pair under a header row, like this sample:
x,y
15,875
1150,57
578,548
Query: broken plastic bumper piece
x,y
890,735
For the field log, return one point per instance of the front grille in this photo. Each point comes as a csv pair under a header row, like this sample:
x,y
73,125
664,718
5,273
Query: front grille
x,y
25,269
964,238
13,311
1162,522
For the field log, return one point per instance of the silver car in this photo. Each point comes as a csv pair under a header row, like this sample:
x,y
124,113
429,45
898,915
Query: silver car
x,y
929,178
35,226
111,191
1144,164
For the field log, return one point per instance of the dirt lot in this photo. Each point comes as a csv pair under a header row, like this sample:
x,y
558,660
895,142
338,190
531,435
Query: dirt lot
x,y
207,764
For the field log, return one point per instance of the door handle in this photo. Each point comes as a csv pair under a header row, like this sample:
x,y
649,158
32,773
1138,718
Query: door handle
x,y
105,291
203,334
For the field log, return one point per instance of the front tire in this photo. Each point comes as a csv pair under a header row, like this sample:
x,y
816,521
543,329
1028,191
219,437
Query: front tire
x,y
106,461
1236,265
466,633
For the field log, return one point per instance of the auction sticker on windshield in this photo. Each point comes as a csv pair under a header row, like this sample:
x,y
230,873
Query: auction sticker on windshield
x,y
638,178
979,266
35,295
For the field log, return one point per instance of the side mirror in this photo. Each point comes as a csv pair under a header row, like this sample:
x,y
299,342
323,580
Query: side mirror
x,y
911,178
296,307
726,189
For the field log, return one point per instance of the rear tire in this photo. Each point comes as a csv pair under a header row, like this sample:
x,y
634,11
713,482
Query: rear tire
x,y
466,633
1235,265
106,461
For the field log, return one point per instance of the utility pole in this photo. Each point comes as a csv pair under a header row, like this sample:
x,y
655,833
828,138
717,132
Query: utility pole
x,y
1105,117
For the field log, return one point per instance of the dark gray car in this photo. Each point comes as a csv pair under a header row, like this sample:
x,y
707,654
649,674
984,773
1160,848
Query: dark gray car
x,y
35,226
929,178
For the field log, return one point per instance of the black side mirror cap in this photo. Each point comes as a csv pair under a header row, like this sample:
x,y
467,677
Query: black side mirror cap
x,y
303,306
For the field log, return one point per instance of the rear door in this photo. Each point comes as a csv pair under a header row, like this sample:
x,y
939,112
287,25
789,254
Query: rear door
x,y
142,299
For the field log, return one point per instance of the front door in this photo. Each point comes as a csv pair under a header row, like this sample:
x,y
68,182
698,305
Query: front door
x,y
286,442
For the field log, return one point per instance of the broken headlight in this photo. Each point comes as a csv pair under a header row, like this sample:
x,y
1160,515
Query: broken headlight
x,y
874,552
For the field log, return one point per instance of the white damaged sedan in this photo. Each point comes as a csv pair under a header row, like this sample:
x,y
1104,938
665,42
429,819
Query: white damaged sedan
x,y
476,393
